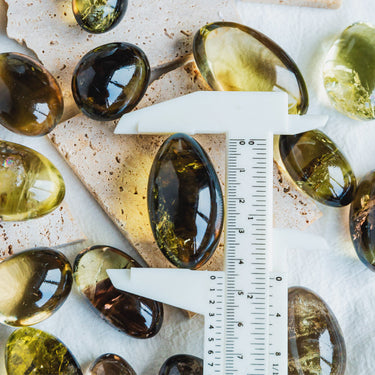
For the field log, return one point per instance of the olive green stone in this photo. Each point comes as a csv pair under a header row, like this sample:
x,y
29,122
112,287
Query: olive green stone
x,y
99,16
110,80
31,101
316,345
30,351
234,57
134,315
182,364
349,74
30,187
33,285
185,202
111,364
318,167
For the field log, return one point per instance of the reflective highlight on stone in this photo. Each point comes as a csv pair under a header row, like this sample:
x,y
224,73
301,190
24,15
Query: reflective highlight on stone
x,y
318,167
182,364
32,351
136,316
110,80
31,101
234,57
33,285
99,16
316,345
111,364
30,185
349,75
185,202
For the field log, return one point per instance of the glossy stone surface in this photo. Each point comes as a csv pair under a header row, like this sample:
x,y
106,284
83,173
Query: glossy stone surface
x,y
182,364
185,202
316,345
136,316
32,351
349,75
110,364
110,80
234,57
31,101
99,16
30,187
318,167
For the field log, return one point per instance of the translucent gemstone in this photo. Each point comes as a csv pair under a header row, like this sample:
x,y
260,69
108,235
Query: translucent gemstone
x,y
349,74
233,57
182,364
33,285
99,16
31,351
136,316
318,167
185,202
316,344
30,185
110,80
110,364
31,101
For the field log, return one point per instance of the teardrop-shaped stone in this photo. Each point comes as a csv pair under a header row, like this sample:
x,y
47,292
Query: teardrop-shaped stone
x,y
318,167
136,316
182,364
185,202
234,57
32,351
30,187
31,101
33,285
316,344
110,80
111,364
99,16
349,74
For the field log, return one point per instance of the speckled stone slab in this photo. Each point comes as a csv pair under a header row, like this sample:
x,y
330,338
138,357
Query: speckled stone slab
x,y
328,4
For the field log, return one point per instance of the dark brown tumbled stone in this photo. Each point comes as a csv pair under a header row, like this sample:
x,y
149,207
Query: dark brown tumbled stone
x,y
182,364
111,364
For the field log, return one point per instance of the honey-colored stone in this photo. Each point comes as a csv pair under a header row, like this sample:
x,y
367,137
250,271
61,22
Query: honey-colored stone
x,y
182,364
111,364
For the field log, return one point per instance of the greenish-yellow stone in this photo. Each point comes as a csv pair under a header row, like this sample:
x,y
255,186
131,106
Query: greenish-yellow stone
x,y
30,351
30,185
234,57
110,364
349,74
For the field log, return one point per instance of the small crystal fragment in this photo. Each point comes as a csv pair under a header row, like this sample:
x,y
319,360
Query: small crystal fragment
x,y
182,364
110,364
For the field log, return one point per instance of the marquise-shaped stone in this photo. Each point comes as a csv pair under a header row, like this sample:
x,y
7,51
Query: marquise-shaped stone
x,y
316,344
185,202
111,364
318,167
32,351
182,364
234,57
136,316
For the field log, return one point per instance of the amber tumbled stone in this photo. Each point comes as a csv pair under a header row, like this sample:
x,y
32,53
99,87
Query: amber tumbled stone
x,y
182,364
110,364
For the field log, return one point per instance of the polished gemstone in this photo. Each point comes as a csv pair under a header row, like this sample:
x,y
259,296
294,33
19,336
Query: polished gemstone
x,y
110,364
349,74
31,101
30,185
185,202
182,364
99,16
110,80
234,57
316,344
137,316
318,167
30,351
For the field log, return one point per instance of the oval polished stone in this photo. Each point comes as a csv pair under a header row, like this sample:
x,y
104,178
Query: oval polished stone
x,y
31,186
32,351
185,202
33,285
234,57
136,316
99,16
349,76
31,101
111,364
110,80
182,364
316,344
318,167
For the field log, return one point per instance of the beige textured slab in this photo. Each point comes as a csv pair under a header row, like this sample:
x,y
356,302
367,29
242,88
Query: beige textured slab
x,y
328,4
